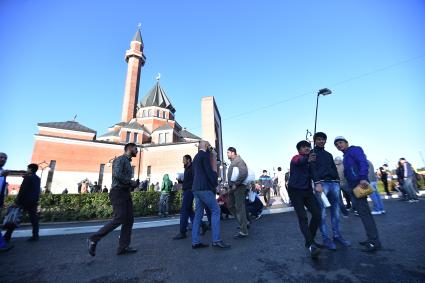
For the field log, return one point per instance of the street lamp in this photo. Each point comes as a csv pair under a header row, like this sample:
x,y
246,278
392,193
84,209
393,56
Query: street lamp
x,y
323,91
43,165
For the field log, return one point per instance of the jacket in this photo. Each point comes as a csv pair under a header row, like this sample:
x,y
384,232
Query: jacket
x,y
299,173
204,177
188,178
371,173
29,193
355,166
243,171
324,168
166,185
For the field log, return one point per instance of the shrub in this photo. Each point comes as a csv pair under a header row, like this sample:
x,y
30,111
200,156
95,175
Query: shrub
x,y
94,206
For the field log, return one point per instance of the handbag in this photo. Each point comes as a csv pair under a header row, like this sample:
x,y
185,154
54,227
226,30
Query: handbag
x,y
12,218
359,192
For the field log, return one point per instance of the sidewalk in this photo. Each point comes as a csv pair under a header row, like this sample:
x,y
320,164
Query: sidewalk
x,y
69,228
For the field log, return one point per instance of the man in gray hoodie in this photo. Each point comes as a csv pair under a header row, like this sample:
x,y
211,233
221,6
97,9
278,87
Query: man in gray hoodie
x,y
237,192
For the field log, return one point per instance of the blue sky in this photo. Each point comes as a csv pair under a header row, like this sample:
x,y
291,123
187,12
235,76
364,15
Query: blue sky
x,y
263,61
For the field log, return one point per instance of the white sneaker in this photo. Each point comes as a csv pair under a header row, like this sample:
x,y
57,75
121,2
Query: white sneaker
x,y
383,212
376,212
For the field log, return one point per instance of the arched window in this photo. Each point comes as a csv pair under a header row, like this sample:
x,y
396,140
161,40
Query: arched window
x,y
157,113
150,113
144,113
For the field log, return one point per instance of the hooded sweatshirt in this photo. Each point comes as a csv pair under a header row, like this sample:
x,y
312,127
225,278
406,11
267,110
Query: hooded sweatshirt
x,y
167,185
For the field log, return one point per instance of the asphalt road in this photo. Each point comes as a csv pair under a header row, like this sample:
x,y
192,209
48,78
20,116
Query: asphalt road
x,y
274,252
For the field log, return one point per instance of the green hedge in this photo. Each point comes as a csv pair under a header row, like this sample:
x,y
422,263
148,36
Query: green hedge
x,y
95,206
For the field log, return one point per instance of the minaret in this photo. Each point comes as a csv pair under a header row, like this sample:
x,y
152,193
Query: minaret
x,y
135,60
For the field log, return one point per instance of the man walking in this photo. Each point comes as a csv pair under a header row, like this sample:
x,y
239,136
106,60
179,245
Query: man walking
x,y
301,195
121,201
378,206
356,173
266,184
204,187
237,192
27,200
326,181
186,211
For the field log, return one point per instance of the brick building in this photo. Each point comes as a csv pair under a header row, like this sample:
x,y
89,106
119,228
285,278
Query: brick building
x,y
69,152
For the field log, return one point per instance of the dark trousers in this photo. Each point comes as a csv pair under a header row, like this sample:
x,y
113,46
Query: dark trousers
x,y
186,211
369,225
32,213
299,199
266,195
385,182
122,206
254,208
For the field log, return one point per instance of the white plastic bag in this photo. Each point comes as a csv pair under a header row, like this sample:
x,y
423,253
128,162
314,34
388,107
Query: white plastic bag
x,y
324,199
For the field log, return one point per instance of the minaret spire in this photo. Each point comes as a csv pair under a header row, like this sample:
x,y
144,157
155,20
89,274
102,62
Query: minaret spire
x,y
135,59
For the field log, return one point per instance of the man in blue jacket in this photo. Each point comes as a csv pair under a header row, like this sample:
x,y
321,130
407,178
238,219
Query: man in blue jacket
x,y
204,188
301,194
325,176
356,173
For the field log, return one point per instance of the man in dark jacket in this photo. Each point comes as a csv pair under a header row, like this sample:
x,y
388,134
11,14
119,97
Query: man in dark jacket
x,y
186,211
122,204
204,188
325,176
356,173
301,194
27,200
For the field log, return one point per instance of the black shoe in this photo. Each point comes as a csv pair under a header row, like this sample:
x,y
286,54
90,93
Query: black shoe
x,y
127,250
6,248
370,248
180,236
221,245
240,235
363,243
320,246
199,246
314,251
33,239
91,247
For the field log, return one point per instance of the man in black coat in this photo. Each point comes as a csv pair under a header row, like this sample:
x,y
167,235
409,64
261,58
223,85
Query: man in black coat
x,y
27,200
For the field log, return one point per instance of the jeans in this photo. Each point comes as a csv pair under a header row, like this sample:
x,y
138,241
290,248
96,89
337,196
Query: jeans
x,y
409,187
164,204
206,199
299,199
332,192
376,198
186,211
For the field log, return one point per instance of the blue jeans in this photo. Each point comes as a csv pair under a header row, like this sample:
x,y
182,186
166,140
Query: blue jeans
x,y
164,204
186,210
206,199
376,198
332,192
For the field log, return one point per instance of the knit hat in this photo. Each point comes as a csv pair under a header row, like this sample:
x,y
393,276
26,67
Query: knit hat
x,y
340,138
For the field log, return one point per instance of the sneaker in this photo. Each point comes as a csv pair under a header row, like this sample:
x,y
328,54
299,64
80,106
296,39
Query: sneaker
x,y
327,243
370,248
343,242
91,247
180,236
314,251
363,243
374,212
240,235
383,212
221,245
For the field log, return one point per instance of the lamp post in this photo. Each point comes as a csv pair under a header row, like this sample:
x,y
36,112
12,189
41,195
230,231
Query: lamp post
x,y
323,91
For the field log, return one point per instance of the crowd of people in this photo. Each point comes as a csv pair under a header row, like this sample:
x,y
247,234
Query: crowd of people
x,y
316,182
